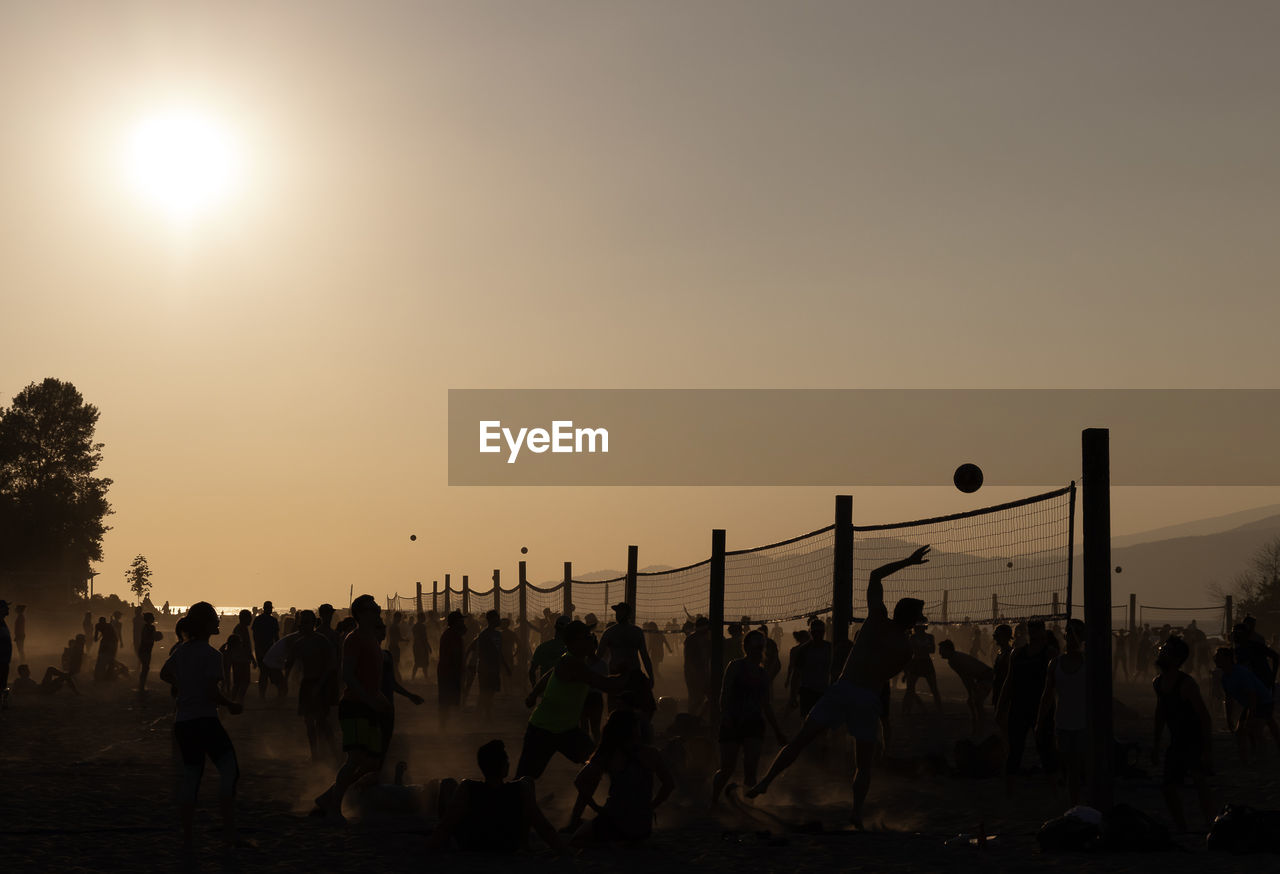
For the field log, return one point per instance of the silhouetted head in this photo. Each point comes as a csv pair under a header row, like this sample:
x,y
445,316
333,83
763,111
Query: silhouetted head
x,y
493,760
908,612
753,646
492,618
946,649
365,609
455,620
1037,636
1173,653
245,616
800,636
1240,633
1250,623
817,629
149,618
578,639
622,611
306,621
621,731
266,608
1075,633
24,671
325,612
1003,635
1224,657
398,617
202,620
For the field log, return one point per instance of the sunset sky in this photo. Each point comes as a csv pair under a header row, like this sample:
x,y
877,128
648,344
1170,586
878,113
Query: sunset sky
x,y
421,196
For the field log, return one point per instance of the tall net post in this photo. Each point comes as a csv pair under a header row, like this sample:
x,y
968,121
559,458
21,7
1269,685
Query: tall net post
x,y
497,590
841,581
524,609
466,595
633,562
435,595
1228,618
715,610
448,597
1097,603
945,593
568,588
419,595
1133,611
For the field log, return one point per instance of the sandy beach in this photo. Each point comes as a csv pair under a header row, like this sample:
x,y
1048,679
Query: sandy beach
x,y
87,784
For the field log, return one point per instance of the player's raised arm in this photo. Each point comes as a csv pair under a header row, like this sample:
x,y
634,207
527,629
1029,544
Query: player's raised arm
x,y
875,585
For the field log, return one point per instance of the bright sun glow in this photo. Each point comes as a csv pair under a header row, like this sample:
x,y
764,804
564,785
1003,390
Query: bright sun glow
x,y
183,162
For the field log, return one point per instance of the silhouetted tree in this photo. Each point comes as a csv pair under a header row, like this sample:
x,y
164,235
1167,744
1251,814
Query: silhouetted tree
x,y
1257,590
52,507
138,576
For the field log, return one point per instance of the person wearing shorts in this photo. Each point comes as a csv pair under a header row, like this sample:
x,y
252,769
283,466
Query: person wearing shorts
x,y
194,669
361,708
879,653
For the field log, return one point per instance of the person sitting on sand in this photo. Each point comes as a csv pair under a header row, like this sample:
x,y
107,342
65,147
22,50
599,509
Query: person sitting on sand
x,y
976,675
1180,707
194,670
493,815
556,723
745,707
362,708
880,652
53,681
632,766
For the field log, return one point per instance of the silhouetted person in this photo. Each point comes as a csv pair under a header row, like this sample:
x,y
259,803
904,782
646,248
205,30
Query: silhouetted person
x,y
266,631
317,661
20,629
1241,685
490,663
194,669
326,630
136,629
493,815
396,638
6,649
1064,697
745,707
548,652
624,645
976,675
697,664
421,647
148,634
108,644
53,681
87,625
236,658
879,653
632,768
362,708
117,627
920,667
390,689
1180,707
1020,696
1003,639
450,665
556,723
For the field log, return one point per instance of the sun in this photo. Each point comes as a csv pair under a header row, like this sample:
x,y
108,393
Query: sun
x,y
183,162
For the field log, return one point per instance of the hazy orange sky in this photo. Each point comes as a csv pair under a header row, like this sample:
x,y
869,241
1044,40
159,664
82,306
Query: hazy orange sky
x,y
609,195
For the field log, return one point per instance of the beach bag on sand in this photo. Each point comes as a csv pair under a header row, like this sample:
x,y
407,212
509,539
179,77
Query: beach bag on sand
x,y
1240,829
1068,834
1127,829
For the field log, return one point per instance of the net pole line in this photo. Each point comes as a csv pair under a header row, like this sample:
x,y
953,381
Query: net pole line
x,y
419,595
435,596
633,562
497,590
841,582
715,607
944,606
523,587
1133,611
1228,620
1096,476
466,595
1071,544
448,607
568,588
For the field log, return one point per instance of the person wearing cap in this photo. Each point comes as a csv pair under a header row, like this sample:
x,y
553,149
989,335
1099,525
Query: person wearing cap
x,y
548,652
880,651
555,725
